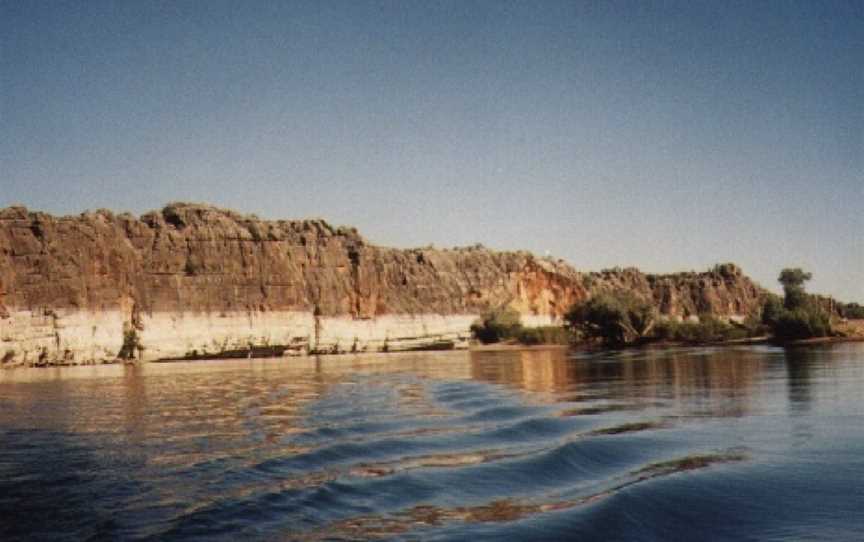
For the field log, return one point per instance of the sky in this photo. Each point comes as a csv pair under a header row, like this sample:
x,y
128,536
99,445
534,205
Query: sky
x,y
665,135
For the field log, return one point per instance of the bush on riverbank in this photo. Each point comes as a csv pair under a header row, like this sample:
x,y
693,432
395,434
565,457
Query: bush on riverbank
x,y
497,325
612,318
502,324
799,316
852,311
544,335
707,329
802,323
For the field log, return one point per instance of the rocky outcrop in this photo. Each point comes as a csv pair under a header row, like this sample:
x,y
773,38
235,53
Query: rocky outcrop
x,y
723,291
196,281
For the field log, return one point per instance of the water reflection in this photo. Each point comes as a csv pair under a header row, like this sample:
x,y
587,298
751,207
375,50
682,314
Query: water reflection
x,y
798,369
135,405
717,382
341,446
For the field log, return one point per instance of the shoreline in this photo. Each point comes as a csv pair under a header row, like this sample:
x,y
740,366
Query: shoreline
x,y
821,340
501,347
660,344
494,347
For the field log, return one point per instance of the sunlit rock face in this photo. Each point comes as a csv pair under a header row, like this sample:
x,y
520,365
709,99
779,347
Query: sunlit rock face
x,y
194,280
723,291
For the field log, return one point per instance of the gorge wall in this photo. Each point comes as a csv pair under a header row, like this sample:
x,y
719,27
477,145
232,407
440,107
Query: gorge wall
x,y
195,281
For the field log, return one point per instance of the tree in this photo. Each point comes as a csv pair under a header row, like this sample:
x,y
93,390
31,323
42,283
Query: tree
x,y
772,308
800,316
793,280
614,318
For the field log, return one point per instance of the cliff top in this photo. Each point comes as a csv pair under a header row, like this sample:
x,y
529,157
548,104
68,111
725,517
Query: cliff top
x,y
180,215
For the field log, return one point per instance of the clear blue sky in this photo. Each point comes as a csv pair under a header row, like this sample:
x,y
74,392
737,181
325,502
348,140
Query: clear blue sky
x,y
666,135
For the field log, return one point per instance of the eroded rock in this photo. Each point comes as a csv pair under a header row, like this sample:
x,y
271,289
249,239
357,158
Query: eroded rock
x,y
196,279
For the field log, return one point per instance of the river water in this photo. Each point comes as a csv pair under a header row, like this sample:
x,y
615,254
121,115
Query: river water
x,y
749,443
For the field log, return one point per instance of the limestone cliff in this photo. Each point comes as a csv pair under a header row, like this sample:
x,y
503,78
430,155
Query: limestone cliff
x,y
194,280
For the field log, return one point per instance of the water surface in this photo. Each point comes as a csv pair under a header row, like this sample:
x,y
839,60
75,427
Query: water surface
x,y
750,443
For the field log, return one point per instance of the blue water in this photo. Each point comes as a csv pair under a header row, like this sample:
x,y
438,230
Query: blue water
x,y
749,443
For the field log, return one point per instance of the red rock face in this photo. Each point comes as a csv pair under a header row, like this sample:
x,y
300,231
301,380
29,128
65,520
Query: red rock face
x,y
197,258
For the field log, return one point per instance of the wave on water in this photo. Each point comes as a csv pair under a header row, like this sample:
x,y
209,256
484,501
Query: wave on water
x,y
492,451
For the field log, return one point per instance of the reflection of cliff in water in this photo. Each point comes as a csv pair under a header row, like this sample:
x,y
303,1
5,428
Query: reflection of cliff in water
x,y
719,381
798,369
262,402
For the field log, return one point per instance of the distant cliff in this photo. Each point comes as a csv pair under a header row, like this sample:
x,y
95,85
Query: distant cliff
x,y
193,280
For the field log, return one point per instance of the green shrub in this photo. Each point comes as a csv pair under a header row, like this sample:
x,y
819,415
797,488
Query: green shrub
x,y
505,324
803,323
131,343
613,318
497,325
707,329
544,335
800,316
772,308
852,311
666,330
753,326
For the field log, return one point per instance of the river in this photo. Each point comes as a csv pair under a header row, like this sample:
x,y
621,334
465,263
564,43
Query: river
x,y
744,443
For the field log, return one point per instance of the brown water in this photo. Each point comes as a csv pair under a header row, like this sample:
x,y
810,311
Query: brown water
x,y
729,444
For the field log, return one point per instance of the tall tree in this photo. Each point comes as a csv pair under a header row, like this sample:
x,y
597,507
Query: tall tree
x,y
801,316
794,295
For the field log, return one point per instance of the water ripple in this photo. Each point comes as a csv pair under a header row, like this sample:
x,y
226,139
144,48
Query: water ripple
x,y
449,446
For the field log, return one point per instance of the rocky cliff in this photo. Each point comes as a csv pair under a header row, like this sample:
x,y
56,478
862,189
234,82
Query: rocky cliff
x,y
722,291
193,280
